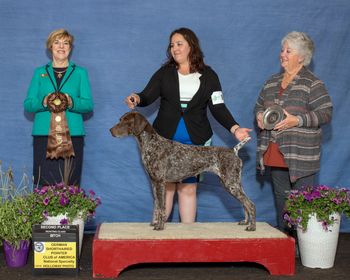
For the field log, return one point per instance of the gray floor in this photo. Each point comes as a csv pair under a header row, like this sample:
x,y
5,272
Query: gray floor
x,y
230,271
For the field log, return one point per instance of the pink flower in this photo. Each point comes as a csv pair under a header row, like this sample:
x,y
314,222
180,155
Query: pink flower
x,y
46,201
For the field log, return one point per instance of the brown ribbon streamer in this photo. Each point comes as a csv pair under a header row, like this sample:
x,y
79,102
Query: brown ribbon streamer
x,y
59,142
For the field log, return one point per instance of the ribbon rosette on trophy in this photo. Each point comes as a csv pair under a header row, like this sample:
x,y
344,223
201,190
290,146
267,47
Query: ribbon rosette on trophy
x,y
272,116
59,139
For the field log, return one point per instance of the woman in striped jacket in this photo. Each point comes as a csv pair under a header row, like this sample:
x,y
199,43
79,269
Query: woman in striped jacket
x,y
292,148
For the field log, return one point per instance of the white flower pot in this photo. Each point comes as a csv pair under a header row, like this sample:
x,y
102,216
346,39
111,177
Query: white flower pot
x,y
76,221
317,246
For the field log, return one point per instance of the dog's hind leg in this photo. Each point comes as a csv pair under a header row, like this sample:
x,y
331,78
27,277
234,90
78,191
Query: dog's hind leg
x,y
249,215
249,208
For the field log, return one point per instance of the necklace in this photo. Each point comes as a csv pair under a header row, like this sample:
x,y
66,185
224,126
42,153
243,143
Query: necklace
x,y
60,86
60,73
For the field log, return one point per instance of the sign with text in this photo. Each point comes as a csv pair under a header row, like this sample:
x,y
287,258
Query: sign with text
x,y
55,249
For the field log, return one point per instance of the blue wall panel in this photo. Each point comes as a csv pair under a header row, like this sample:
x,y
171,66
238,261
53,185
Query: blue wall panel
x,y
122,43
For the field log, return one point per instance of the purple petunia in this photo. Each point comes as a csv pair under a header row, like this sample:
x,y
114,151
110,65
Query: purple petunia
x,y
325,225
71,190
45,214
46,201
64,221
337,200
98,201
321,201
64,201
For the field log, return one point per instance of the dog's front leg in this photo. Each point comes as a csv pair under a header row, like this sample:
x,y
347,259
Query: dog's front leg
x,y
154,216
159,215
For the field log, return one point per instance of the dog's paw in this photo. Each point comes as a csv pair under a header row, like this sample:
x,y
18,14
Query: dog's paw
x,y
158,227
251,228
243,223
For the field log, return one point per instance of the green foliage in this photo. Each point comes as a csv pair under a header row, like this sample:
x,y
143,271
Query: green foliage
x,y
20,208
16,208
17,219
71,201
320,200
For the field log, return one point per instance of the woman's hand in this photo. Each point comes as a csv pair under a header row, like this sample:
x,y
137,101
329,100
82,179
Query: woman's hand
x,y
241,132
289,122
132,100
70,102
259,120
45,101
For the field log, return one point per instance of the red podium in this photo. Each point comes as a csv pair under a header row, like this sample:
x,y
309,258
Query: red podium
x,y
119,245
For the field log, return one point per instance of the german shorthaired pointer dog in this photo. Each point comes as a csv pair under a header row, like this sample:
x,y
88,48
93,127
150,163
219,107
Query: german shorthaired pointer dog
x,y
169,161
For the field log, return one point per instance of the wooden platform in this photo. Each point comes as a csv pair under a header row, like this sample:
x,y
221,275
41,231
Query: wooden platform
x,y
119,245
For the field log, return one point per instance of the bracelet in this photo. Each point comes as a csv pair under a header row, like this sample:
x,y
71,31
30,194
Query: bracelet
x,y
235,128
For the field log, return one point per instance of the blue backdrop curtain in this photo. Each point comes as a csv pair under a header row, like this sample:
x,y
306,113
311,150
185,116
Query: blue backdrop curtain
x,y
122,43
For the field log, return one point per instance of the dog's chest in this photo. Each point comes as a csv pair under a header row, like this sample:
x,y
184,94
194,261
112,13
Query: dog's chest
x,y
153,151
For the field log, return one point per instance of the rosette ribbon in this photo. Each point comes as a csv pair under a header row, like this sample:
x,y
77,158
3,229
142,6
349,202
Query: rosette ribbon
x,y
59,144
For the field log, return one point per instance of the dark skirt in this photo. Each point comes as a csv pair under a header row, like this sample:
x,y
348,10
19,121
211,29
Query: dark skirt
x,y
51,171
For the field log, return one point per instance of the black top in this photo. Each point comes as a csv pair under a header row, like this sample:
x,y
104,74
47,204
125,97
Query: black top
x,y
165,84
59,74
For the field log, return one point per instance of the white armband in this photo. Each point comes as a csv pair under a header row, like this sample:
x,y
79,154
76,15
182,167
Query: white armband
x,y
217,97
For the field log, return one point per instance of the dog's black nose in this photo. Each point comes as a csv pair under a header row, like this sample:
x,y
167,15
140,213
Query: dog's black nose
x,y
111,130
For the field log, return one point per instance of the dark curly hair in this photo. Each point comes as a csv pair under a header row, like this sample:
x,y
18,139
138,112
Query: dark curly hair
x,y
196,56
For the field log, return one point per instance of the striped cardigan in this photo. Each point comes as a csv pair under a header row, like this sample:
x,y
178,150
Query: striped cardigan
x,y
307,98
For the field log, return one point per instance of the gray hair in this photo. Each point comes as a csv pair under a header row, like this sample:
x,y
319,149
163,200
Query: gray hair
x,y
302,43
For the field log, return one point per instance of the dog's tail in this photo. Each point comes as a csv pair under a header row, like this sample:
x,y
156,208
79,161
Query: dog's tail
x,y
240,145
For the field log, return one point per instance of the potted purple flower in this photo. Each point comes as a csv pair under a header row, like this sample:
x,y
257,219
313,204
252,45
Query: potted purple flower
x,y
70,201
315,211
321,201
16,217
62,204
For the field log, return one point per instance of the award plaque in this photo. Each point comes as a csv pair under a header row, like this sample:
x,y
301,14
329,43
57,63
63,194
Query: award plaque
x,y
272,116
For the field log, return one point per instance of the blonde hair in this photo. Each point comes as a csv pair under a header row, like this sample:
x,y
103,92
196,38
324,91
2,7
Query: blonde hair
x,y
59,34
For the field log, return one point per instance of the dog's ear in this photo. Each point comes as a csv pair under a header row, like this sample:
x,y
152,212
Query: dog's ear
x,y
140,123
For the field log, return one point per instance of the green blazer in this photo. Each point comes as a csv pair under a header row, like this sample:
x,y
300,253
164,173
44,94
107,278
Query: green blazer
x,y
77,87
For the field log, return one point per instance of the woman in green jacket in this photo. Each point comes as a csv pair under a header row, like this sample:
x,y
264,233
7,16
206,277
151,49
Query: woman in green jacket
x,y
59,94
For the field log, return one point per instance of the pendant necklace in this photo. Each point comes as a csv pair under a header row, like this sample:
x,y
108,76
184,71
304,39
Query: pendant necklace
x,y
60,73
58,89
